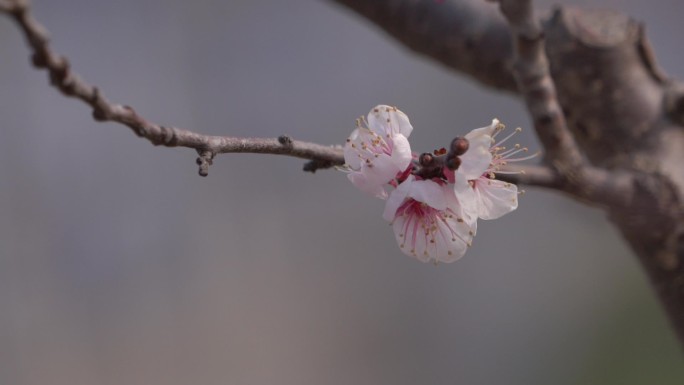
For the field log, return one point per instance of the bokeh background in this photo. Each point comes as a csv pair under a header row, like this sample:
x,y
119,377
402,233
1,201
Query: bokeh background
x,y
119,265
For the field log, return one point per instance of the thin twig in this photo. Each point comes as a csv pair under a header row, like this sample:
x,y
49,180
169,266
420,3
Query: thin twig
x,y
531,175
11,5
207,146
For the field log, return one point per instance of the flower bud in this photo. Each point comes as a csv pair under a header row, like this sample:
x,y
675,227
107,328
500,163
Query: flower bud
x,y
459,146
453,163
426,159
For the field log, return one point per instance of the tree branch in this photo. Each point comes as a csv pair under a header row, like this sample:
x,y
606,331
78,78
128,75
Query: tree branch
x,y
8,5
644,201
469,36
529,175
531,71
571,172
207,146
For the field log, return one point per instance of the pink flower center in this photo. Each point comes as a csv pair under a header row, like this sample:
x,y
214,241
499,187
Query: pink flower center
x,y
425,227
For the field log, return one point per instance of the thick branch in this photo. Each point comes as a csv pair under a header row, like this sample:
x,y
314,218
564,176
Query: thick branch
x,y
467,35
609,85
207,146
643,200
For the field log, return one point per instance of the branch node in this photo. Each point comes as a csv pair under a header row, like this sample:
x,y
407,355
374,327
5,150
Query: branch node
x,y
100,107
59,71
205,159
285,140
169,137
39,60
138,124
317,164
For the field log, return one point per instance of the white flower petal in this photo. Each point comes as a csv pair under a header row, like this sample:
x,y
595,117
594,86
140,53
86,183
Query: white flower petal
x,y
496,198
367,185
375,161
445,239
351,154
396,198
467,198
426,233
387,120
382,168
401,152
477,159
428,192
452,240
464,207
482,133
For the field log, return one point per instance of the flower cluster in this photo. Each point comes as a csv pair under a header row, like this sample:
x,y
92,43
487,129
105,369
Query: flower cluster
x,y
433,201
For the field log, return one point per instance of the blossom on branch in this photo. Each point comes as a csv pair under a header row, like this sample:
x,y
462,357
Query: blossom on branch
x,y
435,198
378,149
428,221
475,182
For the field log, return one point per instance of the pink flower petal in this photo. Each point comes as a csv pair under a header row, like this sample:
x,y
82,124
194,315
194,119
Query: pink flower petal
x,y
425,232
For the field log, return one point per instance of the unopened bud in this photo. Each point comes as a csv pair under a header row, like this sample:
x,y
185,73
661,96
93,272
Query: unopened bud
x,y
425,159
459,146
453,163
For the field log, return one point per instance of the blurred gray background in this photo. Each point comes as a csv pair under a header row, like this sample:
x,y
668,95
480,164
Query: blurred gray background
x,y
119,265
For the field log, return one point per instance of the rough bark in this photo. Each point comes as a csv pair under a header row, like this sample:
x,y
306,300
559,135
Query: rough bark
x,y
613,96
